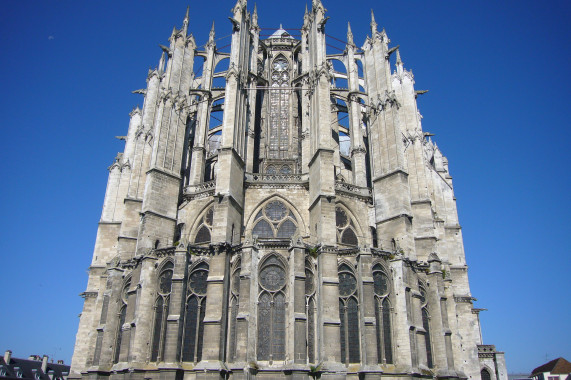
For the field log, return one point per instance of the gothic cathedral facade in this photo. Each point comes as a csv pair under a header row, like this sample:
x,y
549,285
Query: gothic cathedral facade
x,y
294,222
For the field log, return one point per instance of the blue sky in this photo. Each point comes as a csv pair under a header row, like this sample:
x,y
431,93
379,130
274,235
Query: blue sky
x,y
499,79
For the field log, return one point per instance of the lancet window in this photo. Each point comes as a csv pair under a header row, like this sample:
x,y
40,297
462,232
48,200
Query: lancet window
x,y
349,315
426,326
274,220
164,287
382,290
345,228
485,374
194,313
271,309
204,231
122,317
233,312
310,309
279,108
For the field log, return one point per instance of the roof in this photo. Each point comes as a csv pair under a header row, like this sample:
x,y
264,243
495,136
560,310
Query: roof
x,y
556,366
30,368
281,33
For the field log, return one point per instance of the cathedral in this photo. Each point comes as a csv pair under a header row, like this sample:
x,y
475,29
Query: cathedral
x,y
279,213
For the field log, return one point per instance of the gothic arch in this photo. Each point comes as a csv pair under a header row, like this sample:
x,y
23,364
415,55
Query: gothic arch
x,y
271,308
344,228
202,222
349,313
299,219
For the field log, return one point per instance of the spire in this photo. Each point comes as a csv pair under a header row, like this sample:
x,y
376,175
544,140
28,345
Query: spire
x,y
211,35
162,63
373,24
255,15
350,35
185,21
399,60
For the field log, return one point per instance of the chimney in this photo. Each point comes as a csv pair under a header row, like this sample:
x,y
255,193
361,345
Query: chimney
x,y
60,361
7,356
45,363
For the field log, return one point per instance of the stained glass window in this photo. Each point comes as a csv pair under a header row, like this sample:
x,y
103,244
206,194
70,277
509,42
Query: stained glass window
x,y
271,310
382,315
275,220
194,313
349,315
234,298
204,230
164,286
345,228
279,109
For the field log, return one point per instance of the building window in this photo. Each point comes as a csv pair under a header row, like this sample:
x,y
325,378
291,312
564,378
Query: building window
x,y
349,315
205,227
162,301
194,313
383,315
271,309
485,375
122,318
345,228
233,312
310,309
426,326
279,109
274,220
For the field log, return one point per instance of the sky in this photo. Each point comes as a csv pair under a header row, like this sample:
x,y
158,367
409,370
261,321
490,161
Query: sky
x,y
499,81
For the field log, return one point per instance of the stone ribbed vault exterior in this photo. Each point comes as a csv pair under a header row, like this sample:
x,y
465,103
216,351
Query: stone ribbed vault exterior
x,y
292,223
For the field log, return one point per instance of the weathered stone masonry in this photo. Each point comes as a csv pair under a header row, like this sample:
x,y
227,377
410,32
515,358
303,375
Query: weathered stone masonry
x,y
296,223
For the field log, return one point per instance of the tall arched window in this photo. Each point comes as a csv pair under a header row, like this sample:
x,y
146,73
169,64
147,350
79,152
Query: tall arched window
x,y
164,285
345,228
194,313
426,326
485,374
310,309
349,315
203,234
274,220
271,309
382,290
279,109
122,318
234,305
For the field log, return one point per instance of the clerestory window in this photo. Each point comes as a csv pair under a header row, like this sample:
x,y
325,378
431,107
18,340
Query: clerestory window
x,y
275,220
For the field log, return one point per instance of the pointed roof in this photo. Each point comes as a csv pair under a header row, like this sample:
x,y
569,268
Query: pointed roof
x,y
556,366
281,33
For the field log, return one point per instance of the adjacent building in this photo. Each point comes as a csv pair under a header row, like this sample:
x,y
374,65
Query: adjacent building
x,y
278,212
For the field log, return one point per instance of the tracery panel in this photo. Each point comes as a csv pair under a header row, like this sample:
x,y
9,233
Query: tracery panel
x,y
194,313
349,315
382,315
164,287
271,310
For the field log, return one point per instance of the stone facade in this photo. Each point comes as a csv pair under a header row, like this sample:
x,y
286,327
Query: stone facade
x,y
296,223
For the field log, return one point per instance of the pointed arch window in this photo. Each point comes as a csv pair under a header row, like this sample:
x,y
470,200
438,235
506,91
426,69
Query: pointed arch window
x,y
382,290
234,306
122,317
164,287
271,309
274,220
204,231
194,313
279,108
310,309
485,374
345,228
426,326
349,315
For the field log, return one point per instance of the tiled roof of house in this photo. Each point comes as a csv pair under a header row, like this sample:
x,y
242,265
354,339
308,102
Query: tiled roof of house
x,y
556,366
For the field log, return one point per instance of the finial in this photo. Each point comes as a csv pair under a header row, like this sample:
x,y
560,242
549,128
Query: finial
x,y
212,33
349,35
255,14
306,11
399,61
373,24
162,63
185,21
